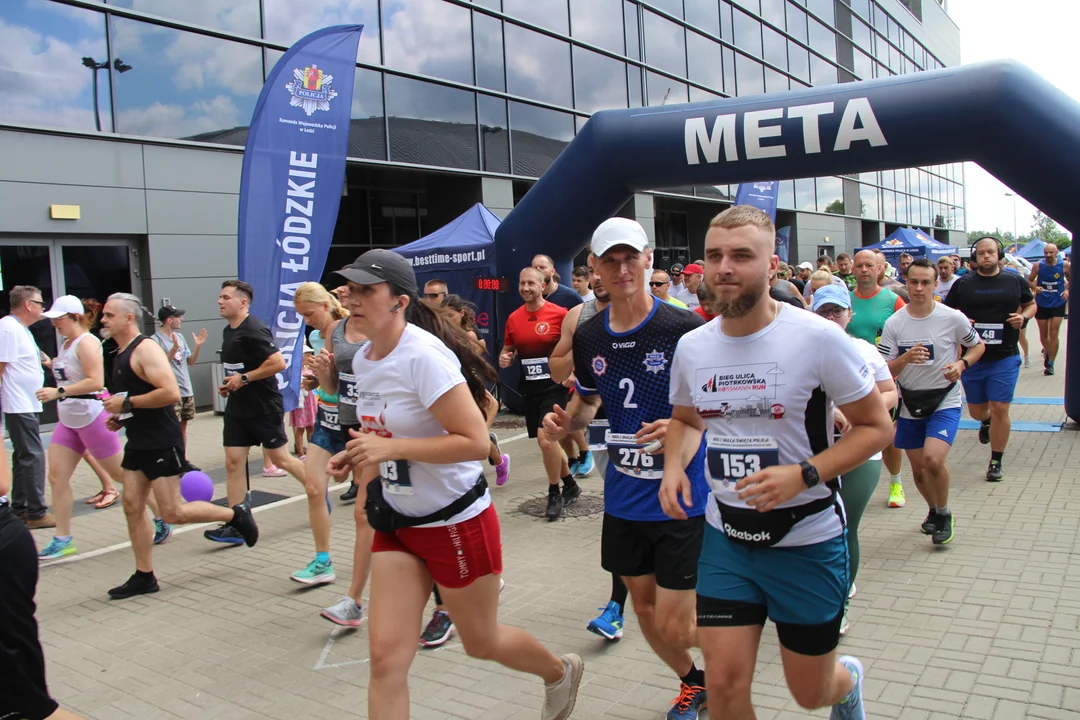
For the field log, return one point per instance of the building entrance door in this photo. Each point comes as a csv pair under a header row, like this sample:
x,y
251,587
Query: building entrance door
x,y
86,268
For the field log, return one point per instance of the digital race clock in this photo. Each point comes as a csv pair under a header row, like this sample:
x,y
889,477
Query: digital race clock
x,y
499,284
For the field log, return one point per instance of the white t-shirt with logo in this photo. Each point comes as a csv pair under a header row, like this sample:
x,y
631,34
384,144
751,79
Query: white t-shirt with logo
x,y
943,332
690,298
941,290
22,372
878,367
768,399
393,397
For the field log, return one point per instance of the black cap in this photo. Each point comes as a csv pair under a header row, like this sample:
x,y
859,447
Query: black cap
x,y
169,311
381,266
677,267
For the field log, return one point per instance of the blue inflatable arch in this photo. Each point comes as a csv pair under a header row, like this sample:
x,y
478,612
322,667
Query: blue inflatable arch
x,y
1001,115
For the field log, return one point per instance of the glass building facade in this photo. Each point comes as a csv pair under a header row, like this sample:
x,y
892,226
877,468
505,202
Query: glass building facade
x,y
491,86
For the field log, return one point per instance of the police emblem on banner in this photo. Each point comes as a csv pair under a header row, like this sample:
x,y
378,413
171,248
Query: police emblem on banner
x,y
311,89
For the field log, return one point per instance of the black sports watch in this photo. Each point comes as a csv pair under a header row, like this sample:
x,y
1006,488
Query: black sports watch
x,y
127,406
809,474
244,378
60,391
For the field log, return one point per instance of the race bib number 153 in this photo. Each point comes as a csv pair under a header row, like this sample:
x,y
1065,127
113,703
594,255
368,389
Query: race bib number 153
x,y
730,459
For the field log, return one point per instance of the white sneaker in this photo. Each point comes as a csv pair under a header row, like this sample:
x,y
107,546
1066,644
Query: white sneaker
x,y
559,698
851,593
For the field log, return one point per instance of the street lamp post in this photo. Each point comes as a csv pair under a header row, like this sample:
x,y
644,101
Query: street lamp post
x,y
94,66
1013,196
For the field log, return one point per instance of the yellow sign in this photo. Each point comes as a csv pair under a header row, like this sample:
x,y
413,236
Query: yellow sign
x,y
65,212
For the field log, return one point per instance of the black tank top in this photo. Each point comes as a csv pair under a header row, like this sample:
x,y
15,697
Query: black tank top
x,y
147,428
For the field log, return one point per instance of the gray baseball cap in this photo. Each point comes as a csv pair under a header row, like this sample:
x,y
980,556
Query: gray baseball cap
x,y
381,266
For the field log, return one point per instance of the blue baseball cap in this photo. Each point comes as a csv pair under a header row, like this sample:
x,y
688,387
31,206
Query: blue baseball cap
x,y
832,295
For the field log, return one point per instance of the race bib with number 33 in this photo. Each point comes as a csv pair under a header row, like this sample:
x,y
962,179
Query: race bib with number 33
x,y
730,459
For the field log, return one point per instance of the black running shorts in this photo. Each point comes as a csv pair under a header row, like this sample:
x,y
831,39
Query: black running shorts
x,y
1045,313
539,403
154,464
668,549
265,430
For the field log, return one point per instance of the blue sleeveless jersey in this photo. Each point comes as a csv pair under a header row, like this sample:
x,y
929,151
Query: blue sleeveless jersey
x,y
1052,281
631,373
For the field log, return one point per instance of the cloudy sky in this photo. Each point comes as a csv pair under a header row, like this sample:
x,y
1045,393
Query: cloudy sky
x,y
1038,33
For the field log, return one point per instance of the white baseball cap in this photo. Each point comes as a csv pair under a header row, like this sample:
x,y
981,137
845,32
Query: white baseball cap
x,y
65,305
806,266
619,231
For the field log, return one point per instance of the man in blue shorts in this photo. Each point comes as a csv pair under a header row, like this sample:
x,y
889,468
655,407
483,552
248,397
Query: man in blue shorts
x,y
763,381
997,304
921,342
1049,279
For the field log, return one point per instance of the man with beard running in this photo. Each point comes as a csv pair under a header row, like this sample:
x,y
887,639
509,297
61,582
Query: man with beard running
x,y
762,382
623,356
1049,280
144,393
997,303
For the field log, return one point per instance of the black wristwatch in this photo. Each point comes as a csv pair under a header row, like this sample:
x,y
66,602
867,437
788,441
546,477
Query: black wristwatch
x,y
127,406
966,363
60,391
809,474
244,378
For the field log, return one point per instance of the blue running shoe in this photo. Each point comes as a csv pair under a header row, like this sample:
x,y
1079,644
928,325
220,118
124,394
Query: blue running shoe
x,y
573,464
851,707
226,534
691,701
585,465
610,623
58,548
162,531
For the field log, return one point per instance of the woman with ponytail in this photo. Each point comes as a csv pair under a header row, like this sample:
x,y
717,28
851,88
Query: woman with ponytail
x,y
420,386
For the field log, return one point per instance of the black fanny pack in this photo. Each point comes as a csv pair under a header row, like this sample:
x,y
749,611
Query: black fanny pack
x,y
386,519
922,403
764,529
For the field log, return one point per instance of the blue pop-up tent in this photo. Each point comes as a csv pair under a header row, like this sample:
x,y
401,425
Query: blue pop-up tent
x,y
1032,251
914,242
456,253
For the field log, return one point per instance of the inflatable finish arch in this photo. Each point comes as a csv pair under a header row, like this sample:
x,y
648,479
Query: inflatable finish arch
x,y
1000,114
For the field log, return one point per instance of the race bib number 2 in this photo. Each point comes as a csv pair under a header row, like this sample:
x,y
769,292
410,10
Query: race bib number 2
x,y
629,457
991,333
730,459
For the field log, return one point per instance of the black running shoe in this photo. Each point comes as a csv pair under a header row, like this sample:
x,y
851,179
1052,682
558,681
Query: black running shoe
x,y
554,506
226,534
994,473
244,523
984,433
943,533
137,584
188,467
929,525
349,496
1049,369
570,493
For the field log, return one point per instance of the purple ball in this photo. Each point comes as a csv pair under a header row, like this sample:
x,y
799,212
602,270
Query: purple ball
x,y
197,485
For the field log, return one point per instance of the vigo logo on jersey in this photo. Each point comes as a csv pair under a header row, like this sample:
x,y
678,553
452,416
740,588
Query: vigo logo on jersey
x,y
739,391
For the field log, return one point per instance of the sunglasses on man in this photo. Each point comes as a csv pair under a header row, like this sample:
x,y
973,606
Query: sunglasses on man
x,y
658,284
434,296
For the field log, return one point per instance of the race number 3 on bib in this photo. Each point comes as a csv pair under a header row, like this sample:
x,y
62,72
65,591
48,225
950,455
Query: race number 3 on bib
x,y
730,459
395,475
347,389
991,333
536,368
629,457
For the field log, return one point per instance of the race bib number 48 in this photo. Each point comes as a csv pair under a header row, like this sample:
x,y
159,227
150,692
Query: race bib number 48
x,y
730,459
630,458
991,333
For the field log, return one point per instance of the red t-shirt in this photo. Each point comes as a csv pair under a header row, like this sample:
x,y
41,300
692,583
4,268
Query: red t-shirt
x,y
700,310
535,334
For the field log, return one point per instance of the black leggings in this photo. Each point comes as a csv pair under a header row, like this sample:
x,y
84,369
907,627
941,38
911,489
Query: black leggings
x,y
22,664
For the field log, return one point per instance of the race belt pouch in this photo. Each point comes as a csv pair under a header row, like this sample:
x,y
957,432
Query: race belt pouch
x,y
386,519
764,529
922,403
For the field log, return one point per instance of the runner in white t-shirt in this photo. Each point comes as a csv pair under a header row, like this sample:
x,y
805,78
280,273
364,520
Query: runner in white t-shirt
x,y
419,390
762,381
928,345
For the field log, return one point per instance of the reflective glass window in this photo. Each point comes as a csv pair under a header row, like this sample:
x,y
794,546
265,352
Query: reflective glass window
x,y
822,72
893,32
706,64
775,81
550,14
665,44
796,23
493,4
804,195
671,7
537,66
868,194
785,198
729,72
822,39
830,195
431,124
823,9
699,95
633,36
774,46
537,136
488,37
888,206
750,74
902,208
773,11
43,78
881,21
901,180
753,6
183,85
634,84
799,61
662,90
494,134
860,6
703,15
747,33
864,66
862,35
726,33
597,83
428,37
285,25
596,22
235,16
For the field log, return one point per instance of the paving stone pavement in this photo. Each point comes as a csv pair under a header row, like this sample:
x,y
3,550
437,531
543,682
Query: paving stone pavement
x,y
985,628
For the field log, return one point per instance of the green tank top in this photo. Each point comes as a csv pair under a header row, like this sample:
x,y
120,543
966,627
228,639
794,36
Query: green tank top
x,y
870,315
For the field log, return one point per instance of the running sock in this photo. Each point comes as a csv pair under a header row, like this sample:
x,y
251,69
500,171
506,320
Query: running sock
x,y
63,538
569,482
943,510
618,591
996,456
694,677
894,478
322,557
144,575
